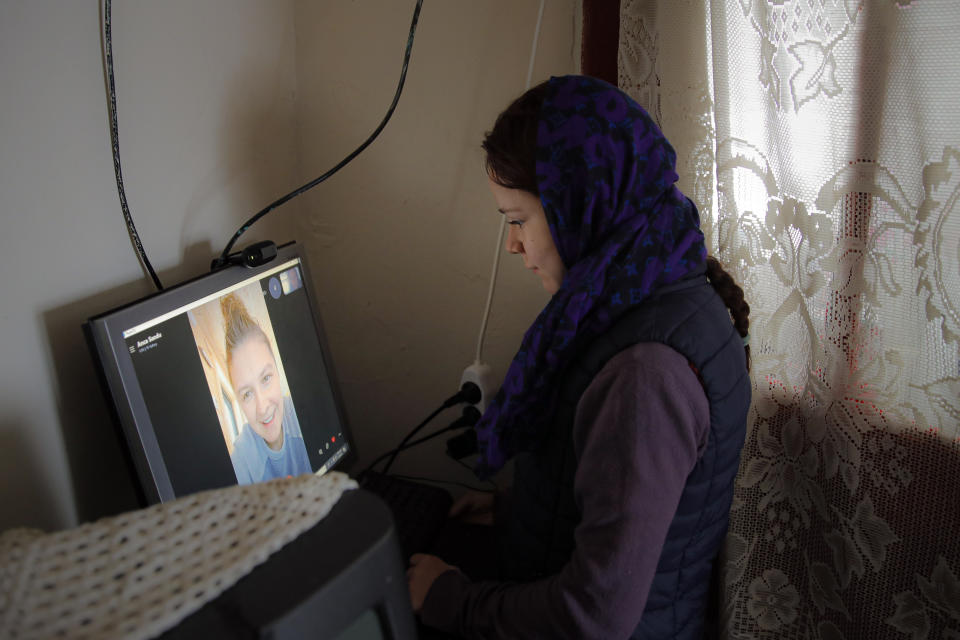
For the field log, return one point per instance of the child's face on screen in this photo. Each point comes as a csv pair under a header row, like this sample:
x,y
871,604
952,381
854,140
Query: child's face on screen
x,y
257,385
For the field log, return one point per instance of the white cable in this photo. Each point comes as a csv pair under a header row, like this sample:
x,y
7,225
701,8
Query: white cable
x,y
533,47
503,219
493,285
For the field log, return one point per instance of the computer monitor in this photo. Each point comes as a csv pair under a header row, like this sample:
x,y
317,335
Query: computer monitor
x,y
223,379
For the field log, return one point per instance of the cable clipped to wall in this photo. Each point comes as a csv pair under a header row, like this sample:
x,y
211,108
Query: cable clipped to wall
x,y
112,108
225,255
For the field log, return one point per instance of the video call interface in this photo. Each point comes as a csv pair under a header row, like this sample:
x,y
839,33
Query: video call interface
x,y
236,385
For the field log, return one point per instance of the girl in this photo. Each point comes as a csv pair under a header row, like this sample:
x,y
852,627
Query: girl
x,y
625,407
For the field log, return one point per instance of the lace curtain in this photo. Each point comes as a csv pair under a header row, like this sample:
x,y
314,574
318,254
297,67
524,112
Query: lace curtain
x,y
821,140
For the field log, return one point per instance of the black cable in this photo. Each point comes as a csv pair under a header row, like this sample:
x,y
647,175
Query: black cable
x,y
489,481
471,470
114,139
224,256
469,392
470,417
464,421
394,451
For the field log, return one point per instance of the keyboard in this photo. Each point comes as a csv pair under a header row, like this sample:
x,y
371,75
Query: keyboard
x,y
419,510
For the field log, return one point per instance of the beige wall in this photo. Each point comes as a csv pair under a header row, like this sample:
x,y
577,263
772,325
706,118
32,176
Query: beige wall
x,y
224,105
402,240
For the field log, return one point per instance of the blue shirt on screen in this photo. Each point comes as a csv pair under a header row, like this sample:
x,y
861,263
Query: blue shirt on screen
x,y
253,461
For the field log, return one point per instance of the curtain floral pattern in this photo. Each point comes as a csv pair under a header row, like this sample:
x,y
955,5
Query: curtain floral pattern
x,y
821,141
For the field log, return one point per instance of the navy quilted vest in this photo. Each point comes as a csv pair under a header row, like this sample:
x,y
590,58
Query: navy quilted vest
x,y
690,318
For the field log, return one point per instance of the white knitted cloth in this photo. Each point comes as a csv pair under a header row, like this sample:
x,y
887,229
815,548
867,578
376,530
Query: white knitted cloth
x,y
138,574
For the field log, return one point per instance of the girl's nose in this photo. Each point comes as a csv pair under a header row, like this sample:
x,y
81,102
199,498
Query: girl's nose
x,y
513,242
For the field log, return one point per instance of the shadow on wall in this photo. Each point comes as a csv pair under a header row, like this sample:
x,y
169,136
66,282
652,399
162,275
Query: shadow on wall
x,y
103,479
19,494
256,164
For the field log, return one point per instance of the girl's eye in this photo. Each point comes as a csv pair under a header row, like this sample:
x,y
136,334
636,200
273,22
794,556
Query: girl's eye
x,y
267,378
517,223
246,396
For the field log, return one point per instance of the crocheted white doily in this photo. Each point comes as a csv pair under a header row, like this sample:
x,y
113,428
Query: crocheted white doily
x,y
138,574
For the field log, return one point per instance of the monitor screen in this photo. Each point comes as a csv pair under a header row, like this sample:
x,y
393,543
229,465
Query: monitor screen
x,y
224,379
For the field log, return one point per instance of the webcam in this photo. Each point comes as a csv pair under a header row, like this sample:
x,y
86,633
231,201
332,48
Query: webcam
x,y
253,256
258,253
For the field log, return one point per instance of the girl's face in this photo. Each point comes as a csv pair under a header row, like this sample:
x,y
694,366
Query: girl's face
x,y
257,385
529,234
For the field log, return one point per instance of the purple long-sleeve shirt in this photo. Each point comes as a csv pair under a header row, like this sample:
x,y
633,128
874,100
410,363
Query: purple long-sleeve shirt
x,y
639,429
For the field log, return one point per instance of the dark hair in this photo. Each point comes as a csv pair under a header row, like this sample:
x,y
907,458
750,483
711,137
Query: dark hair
x,y
511,146
511,162
732,296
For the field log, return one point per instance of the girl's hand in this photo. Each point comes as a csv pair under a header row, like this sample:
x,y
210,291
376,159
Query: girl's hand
x,y
423,570
474,507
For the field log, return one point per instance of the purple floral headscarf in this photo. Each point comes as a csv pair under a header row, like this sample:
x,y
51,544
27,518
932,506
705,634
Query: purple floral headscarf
x,y
606,178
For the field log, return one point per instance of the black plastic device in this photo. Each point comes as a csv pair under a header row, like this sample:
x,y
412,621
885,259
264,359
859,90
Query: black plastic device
x,y
343,579
259,253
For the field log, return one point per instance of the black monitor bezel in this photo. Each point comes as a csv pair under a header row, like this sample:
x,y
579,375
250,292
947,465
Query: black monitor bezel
x,y
105,336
